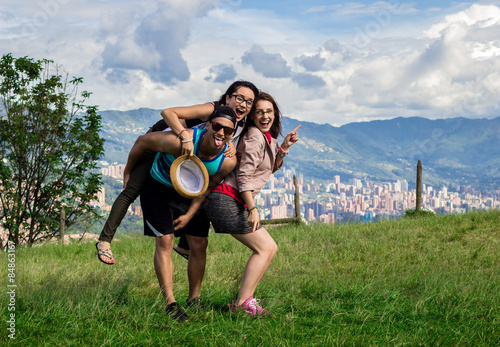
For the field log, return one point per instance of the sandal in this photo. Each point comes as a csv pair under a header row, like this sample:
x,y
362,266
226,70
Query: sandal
x,y
105,252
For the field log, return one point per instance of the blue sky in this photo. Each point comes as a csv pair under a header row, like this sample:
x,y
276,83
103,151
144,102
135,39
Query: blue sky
x,y
324,61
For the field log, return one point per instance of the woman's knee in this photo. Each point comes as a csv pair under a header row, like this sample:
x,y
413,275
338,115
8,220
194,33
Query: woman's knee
x,y
268,248
273,249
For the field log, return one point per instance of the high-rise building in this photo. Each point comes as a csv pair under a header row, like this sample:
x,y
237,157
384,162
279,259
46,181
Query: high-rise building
x,y
309,214
404,185
336,179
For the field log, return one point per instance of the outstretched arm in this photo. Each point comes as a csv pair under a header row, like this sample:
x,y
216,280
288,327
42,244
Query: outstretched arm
x,y
227,166
161,141
174,115
289,140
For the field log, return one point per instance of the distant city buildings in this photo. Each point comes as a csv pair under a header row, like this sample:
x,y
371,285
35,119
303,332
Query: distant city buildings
x,y
363,200
356,200
115,171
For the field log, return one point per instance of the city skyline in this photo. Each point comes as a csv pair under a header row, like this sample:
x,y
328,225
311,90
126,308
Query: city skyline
x,y
337,201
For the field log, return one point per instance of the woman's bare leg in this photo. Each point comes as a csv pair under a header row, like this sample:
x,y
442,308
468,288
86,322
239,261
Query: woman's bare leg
x,y
264,249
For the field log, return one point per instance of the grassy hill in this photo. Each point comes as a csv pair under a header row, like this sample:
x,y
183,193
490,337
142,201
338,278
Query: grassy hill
x,y
428,281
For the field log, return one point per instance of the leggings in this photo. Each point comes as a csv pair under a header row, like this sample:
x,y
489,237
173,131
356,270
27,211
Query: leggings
x,y
138,178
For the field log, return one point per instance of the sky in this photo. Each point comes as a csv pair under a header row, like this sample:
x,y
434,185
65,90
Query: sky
x,y
324,61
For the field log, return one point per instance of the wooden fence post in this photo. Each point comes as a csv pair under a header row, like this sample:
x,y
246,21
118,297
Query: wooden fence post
x,y
295,219
62,225
419,186
297,198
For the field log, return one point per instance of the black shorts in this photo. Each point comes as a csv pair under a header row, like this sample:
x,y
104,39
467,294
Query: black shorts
x,y
161,205
227,215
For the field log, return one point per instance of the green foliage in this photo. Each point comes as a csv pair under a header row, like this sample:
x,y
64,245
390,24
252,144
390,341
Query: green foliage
x,y
418,213
49,145
411,282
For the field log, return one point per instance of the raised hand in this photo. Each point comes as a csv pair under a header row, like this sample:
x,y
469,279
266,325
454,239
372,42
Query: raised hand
x,y
291,138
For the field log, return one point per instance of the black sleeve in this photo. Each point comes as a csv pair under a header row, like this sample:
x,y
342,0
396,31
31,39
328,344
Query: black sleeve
x,y
159,126
162,125
192,122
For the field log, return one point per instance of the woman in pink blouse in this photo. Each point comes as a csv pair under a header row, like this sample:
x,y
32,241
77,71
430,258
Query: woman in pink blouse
x,y
231,207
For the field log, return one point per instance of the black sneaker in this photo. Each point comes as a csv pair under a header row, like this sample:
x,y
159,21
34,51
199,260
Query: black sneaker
x,y
195,303
175,310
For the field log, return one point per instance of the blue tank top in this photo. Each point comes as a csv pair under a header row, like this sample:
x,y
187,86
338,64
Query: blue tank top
x,y
160,170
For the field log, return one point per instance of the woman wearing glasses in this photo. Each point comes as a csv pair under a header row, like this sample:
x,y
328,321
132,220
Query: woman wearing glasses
x,y
239,96
231,207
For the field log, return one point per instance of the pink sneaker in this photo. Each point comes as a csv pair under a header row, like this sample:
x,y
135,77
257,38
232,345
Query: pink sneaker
x,y
250,306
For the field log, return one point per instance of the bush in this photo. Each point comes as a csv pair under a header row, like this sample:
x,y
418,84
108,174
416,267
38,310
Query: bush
x,y
418,213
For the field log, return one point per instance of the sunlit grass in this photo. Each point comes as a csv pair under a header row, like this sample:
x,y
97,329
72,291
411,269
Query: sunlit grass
x,y
424,281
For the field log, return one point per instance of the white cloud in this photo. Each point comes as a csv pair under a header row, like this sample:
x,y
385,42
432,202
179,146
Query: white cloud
x,y
156,43
481,16
449,74
308,81
271,65
311,62
179,52
222,73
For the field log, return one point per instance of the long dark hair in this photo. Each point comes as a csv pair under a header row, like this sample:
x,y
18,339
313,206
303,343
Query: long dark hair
x,y
234,87
276,127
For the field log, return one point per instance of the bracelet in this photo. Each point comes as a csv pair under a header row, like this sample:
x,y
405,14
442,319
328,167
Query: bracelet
x,y
179,134
184,141
282,152
253,208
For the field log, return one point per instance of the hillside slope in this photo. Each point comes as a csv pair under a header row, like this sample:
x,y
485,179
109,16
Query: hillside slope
x,y
457,151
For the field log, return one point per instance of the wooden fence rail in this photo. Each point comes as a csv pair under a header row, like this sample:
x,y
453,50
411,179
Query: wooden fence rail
x,y
295,219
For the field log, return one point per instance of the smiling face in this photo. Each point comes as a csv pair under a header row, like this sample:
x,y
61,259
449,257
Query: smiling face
x,y
241,108
263,117
218,138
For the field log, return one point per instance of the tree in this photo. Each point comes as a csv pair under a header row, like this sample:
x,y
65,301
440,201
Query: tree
x,y
49,147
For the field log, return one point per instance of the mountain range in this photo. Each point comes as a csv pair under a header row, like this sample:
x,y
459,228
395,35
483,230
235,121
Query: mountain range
x,y
453,152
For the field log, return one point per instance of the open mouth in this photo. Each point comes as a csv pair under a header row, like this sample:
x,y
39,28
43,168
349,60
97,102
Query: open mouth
x,y
265,124
239,114
218,141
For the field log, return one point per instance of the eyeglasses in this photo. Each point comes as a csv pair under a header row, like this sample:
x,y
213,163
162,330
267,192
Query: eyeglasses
x,y
240,99
228,131
262,112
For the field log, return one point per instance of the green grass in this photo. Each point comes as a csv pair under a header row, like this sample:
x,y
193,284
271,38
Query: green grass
x,y
432,281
